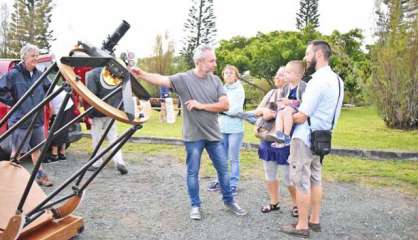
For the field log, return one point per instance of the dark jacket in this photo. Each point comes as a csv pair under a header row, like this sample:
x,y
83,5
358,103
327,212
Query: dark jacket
x,y
94,85
14,84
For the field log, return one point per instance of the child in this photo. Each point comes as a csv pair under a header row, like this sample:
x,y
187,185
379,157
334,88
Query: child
x,y
289,102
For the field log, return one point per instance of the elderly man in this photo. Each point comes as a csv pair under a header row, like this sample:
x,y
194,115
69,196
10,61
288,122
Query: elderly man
x,y
13,86
321,104
203,96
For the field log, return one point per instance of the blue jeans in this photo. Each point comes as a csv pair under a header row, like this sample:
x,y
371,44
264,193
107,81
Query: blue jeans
x,y
217,155
232,145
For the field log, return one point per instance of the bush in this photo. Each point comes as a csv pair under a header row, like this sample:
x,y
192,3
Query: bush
x,y
394,69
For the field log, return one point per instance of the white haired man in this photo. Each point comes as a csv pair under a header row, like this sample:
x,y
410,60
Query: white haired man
x,y
13,85
203,96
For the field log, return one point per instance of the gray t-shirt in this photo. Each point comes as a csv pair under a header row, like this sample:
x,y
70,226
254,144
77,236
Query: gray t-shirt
x,y
197,124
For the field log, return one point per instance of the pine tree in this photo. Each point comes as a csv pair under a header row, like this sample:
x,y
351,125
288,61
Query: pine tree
x,y
4,27
200,28
30,22
308,16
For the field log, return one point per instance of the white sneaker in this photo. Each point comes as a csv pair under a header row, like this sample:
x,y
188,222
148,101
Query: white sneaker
x,y
195,213
95,165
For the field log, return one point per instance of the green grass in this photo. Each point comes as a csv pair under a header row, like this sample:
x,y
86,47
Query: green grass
x,y
359,128
153,127
362,128
400,176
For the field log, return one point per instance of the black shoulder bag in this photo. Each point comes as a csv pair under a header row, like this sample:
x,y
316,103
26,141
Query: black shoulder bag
x,y
321,139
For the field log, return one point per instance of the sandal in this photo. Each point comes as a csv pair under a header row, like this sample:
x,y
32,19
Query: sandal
x,y
270,207
295,211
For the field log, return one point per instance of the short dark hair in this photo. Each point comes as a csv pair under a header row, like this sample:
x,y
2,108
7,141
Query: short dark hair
x,y
323,46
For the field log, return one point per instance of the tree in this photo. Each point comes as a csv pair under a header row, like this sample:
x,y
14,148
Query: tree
x,y
351,63
394,65
263,54
200,28
308,16
30,22
4,26
409,8
260,56
161,61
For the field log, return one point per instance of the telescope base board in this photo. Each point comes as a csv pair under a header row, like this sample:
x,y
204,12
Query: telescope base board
x,y
13,179
63,229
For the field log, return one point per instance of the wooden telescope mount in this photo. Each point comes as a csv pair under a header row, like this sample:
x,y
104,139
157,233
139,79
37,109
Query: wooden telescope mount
x,y
47,221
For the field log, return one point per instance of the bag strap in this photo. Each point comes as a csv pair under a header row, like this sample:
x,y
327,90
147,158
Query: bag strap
x,y
338,100
336,106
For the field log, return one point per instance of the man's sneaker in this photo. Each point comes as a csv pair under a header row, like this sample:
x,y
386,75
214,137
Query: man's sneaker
x,y
235,208
44,181
121,168
234,191
214,187
291,230
195,213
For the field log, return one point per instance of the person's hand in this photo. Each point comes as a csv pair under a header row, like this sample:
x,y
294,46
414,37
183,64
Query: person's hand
x,y
284,101
136,71
193,104
258,113
281,105
295,102
268,114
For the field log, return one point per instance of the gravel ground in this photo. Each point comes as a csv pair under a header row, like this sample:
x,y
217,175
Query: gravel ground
x,y
151,203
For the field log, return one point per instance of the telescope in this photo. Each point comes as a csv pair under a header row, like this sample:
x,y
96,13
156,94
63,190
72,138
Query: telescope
x,y
114,71
26,211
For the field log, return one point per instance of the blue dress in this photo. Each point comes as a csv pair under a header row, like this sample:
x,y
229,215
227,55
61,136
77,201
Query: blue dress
x,y
280,155
268,153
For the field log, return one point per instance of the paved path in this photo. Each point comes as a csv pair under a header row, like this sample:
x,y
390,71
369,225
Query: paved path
x,y
151,203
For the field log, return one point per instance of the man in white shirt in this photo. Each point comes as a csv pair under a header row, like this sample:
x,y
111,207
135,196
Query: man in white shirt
x,y
321,101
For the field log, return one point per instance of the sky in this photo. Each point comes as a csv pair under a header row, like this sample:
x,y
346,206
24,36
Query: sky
x,y
93,20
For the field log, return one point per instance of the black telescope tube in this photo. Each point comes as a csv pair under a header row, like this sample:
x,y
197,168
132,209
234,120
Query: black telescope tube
x,y
112,40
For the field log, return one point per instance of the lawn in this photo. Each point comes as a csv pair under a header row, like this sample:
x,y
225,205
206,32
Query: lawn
x,y
359,128
400,176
